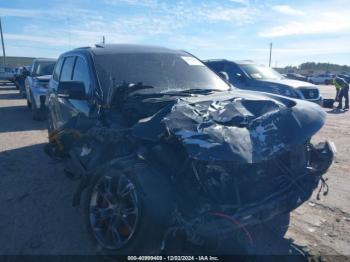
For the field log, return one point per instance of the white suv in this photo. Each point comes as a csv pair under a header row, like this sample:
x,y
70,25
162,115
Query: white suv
x,y
321,79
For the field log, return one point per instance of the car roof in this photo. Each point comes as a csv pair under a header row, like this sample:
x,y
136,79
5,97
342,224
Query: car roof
x,y
239,62
105,49
45,60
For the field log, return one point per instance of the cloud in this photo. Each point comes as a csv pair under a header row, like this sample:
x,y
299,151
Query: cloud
x,y
45,40
237,16
59,13
149,3
19,12
328,22
182,12
244,2
308,50
326,46
288,10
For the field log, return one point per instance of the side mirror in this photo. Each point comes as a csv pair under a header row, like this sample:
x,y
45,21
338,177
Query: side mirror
x,y
71,90
224,76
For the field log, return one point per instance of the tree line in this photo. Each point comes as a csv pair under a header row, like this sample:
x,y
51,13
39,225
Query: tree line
x,y
319,66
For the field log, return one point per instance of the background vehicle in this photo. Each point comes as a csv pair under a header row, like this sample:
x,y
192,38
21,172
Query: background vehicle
x,y
296,77
325,79
345,77
163,153
19,78
36,85
6,73
248,75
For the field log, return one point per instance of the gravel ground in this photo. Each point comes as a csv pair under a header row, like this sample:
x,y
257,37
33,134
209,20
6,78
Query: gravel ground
x,y
36,216
35,196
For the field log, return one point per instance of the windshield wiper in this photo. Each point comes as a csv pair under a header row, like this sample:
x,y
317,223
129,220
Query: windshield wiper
x,y
191,91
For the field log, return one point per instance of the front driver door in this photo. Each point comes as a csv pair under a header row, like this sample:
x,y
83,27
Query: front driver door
x,y
75,69
63,105
52,100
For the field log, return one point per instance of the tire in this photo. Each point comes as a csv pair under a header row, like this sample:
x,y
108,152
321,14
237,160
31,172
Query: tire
x,y
268,237
37,113
148,223
29,104
50,127
279,225
23,94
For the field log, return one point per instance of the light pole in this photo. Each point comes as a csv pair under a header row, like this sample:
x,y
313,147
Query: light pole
x,y
3,45
270,54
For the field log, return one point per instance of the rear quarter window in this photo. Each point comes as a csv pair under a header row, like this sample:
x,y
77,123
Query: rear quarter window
x,y
57,70
33,68
81,73
67,70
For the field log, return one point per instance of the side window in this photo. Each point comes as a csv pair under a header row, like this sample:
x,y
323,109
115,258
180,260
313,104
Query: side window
x,y
33,69
57,71
38,69
81,73
232,70
216,66
67,70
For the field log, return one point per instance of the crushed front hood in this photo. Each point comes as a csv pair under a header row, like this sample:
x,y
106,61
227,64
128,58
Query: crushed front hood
x,y
244,127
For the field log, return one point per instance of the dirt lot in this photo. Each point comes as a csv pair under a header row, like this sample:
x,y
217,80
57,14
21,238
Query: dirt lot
x,y
36,216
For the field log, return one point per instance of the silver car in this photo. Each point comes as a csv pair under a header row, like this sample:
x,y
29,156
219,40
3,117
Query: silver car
x,y
36,86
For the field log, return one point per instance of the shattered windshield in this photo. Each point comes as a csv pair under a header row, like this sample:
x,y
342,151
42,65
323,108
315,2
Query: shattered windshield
x,y
165,72
260,72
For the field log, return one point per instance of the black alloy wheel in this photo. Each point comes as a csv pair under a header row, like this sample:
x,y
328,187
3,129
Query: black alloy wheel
x,y
114,211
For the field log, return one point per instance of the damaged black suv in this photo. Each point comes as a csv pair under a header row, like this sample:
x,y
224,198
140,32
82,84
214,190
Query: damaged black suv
x,y
165,150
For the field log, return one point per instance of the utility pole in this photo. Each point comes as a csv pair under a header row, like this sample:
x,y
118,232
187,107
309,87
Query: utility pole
x,y
69,33
3,45
270,54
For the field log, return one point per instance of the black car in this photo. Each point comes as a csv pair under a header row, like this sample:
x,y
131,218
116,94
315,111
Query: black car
x,y
166,151
251,76
296,76
345,77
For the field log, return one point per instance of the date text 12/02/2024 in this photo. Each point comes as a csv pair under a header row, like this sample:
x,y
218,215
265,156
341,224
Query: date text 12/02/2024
x,y
173,258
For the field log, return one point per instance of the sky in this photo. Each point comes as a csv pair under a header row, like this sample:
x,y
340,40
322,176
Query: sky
x,y
300,30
